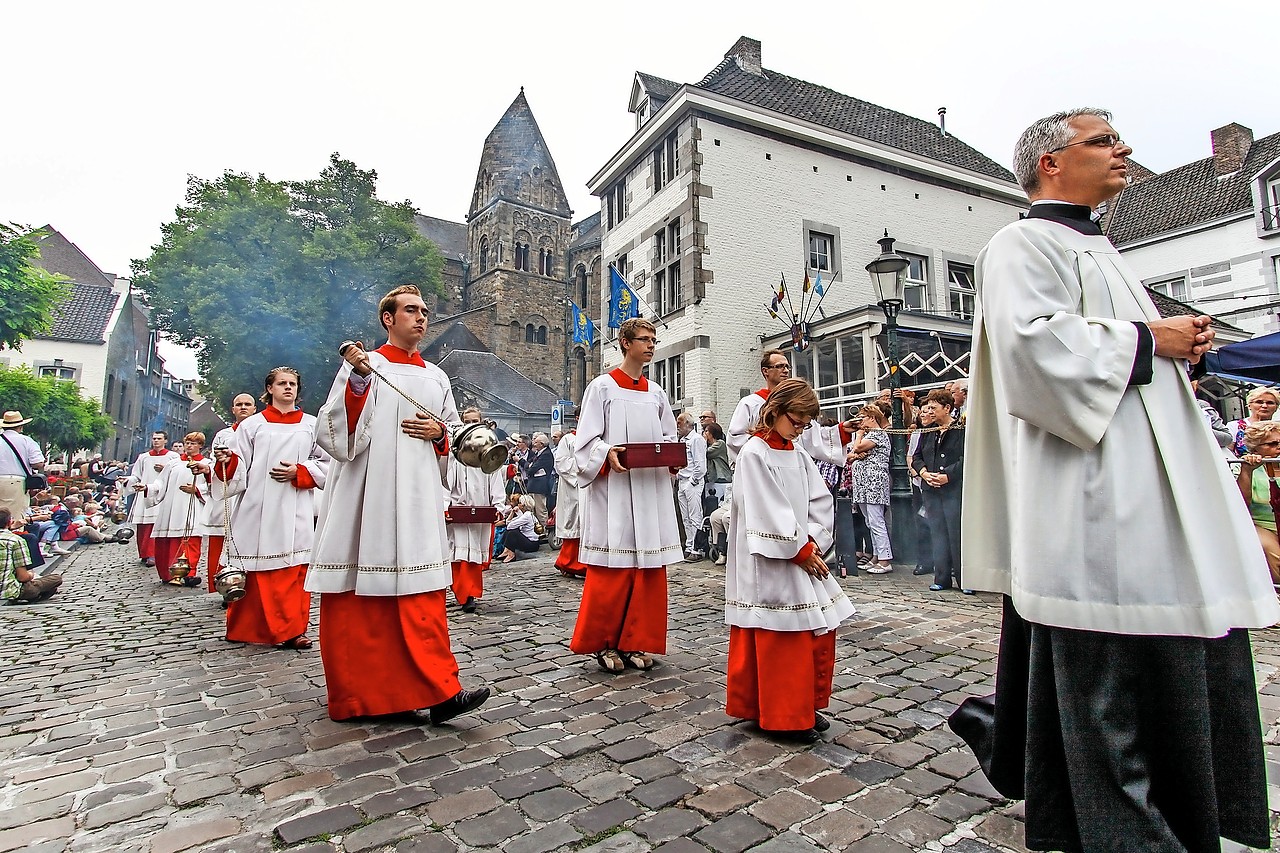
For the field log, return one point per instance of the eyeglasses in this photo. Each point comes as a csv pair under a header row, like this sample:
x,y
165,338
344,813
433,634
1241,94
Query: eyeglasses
x,y
784,366
801,425
1106,140
646,340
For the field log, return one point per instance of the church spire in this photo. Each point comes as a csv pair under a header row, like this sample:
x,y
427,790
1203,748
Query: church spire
x,y
516,165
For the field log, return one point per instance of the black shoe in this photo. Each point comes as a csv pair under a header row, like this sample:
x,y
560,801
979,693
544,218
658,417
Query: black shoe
x,y
194,580
796,736
820,722
921,570
469,606
461,703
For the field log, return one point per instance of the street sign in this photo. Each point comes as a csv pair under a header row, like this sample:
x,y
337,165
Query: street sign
x,y
557,415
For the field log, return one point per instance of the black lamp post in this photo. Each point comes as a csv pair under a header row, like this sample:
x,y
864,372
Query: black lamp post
x,y
887,275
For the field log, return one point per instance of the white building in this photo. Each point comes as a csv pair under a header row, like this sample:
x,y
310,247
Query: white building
x,y
747,175
1208,233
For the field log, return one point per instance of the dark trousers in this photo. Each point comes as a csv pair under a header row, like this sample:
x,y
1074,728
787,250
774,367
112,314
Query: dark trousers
x,y
923,538
517,541
943,507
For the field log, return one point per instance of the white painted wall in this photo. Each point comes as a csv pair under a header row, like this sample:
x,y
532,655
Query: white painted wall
x,y
1251,271
92,359
755,232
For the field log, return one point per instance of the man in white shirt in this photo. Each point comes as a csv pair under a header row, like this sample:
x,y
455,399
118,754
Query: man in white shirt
x,y
689,482
20,456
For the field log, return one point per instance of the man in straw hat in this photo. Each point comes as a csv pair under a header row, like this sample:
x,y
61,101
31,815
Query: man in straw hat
x,y
21,457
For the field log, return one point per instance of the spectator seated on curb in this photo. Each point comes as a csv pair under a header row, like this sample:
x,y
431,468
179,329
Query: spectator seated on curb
x,y
91,523
521,537
17,582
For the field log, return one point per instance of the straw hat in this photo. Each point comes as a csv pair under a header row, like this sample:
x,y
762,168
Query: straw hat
x,y
13,419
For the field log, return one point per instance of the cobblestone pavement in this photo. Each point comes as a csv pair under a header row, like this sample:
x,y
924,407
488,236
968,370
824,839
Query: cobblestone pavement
x,y
127,723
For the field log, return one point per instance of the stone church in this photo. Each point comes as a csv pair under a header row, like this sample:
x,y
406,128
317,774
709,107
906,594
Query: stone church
x,y
510,273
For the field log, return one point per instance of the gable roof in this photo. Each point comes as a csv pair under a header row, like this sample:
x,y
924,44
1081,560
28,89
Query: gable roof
x,y
1167,306
512,152
492,375
455,337
800,99
658,89
449,237
83,317
1188,195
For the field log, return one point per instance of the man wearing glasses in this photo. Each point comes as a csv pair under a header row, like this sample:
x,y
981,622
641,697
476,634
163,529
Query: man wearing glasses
x,y
1096,501
824,444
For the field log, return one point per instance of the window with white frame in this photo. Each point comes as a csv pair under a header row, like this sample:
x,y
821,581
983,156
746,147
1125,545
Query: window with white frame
x,y
669,375
58,371
666,161
1175,287
916,291
616,202
668,291
820,246
961,294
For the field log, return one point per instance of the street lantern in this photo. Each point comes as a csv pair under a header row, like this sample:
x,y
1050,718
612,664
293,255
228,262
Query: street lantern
x,y
889,280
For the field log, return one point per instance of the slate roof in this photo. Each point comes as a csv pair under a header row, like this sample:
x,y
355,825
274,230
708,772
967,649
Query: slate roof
x,y
486,371
84,316
826,107
1170,307
513,149
449,237
657,87
456,337
1188,195
586,232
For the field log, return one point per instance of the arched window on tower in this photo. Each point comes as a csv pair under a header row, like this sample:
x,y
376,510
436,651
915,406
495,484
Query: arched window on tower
x,y
530,334
580,279
581,359
540,336
484,254
522,257
546,263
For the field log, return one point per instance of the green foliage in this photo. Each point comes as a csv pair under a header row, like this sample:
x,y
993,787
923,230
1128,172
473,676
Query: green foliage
x,y
62,419
28,293
255,273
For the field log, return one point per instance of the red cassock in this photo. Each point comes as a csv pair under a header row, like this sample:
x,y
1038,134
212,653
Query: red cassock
x,y
622,609
567,560
778,678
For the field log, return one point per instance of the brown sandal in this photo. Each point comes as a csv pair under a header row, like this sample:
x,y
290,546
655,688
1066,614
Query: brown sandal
x,y
300,642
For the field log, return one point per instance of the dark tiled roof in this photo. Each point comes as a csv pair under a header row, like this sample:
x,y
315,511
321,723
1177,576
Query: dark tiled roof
x,y
657,87
512,151
826,107
456,337
586,232
1170,307
84,316
449,237
486,371
1188,195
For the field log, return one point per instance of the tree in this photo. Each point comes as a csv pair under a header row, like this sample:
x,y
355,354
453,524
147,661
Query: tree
x,y
255,273
28,294
61,418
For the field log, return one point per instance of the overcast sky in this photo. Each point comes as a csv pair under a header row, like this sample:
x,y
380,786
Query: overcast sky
x,y
109,106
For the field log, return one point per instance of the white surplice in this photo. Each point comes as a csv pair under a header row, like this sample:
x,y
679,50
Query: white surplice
x,y
472,487
221,506
780,502
273,525
382,530
179,514
628,519
1093,504
568,514
144,472
820,442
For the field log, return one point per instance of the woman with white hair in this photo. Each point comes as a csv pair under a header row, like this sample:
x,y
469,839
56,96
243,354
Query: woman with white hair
x,y
1262,402
521,536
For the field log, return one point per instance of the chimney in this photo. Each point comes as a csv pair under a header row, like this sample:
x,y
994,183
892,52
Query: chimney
x,y
746,52
1231,144
942,119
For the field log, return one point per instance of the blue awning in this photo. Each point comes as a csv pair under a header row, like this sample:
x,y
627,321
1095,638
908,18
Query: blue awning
x,y
1252,361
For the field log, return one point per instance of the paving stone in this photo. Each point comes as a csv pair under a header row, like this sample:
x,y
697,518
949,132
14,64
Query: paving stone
x,y
190,835
434,843
492,828
877,844
915,828
722,800
668,824
830,788
955,807
921,782
552,804
556,836
304,782
733,834
23,837
123,809
787,842
390,802
330,820
604,816
977,784
517,785
631,749
838,828
446,810
381,833
663,792
872,772
681,845
785,808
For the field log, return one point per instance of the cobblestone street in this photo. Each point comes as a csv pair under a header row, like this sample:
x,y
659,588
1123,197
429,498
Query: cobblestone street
x,y
128,724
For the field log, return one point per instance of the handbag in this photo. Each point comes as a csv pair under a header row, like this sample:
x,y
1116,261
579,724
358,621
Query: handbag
x,y
35,482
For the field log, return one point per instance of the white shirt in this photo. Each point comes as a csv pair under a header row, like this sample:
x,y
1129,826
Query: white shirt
x,y
695,469
26,446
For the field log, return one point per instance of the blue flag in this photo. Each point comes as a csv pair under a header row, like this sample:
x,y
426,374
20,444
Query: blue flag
x,y
623,302
584,331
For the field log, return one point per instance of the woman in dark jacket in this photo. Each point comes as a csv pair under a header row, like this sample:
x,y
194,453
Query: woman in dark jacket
x,y
941,461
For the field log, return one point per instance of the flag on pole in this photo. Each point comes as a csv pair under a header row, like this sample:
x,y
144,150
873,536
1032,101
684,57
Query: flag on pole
x,y
808,285
817,285
623,302
584,331
782,289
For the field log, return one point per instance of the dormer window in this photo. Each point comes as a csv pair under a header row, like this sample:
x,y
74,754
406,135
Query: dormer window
x,y
1271,205
642,113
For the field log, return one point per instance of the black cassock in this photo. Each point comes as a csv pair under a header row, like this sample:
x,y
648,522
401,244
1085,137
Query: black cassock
x,y
1152,745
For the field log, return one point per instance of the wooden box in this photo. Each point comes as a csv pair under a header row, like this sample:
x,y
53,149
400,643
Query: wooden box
x,y
470,515
660,455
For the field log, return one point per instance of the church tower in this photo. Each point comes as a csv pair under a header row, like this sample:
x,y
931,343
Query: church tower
x,y
518,232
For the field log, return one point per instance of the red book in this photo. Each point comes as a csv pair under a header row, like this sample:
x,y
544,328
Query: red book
x,y
470,515
661,455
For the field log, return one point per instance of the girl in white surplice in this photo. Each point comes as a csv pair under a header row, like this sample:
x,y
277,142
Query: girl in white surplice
x,y
781,603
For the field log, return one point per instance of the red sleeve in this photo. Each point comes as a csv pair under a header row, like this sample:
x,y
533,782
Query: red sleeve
x,y
355,405
845,435
231,468
442,443
805,553
303,479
